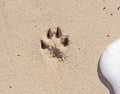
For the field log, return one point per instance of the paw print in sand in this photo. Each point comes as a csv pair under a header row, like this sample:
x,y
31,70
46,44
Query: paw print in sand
x,y
56,44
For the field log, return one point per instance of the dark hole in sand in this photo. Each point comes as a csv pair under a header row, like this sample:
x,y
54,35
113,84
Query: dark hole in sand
x,y
10,86
108,35
18,55
104,8
118,8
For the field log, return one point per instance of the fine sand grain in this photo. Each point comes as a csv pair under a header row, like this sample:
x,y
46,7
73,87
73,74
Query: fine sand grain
x,y
26,68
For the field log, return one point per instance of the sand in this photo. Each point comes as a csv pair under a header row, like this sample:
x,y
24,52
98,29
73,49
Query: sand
x,y
26,68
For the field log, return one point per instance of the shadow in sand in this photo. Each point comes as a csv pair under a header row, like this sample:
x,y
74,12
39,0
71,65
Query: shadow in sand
x,y
104,80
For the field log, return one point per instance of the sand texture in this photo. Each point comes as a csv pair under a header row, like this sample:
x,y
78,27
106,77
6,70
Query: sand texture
x,y
26,68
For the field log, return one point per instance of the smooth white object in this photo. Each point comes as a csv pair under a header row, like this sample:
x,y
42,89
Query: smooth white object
x,y
110,65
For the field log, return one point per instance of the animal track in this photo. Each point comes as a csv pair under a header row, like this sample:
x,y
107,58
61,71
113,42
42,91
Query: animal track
x,y
57,43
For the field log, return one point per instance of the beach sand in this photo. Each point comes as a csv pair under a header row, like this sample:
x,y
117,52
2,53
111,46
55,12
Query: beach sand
x,y
26,68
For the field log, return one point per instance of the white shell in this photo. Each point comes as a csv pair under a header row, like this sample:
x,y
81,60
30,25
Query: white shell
x,y
110,65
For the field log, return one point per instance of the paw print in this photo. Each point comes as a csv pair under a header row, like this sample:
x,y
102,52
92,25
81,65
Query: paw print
x,y
56,44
